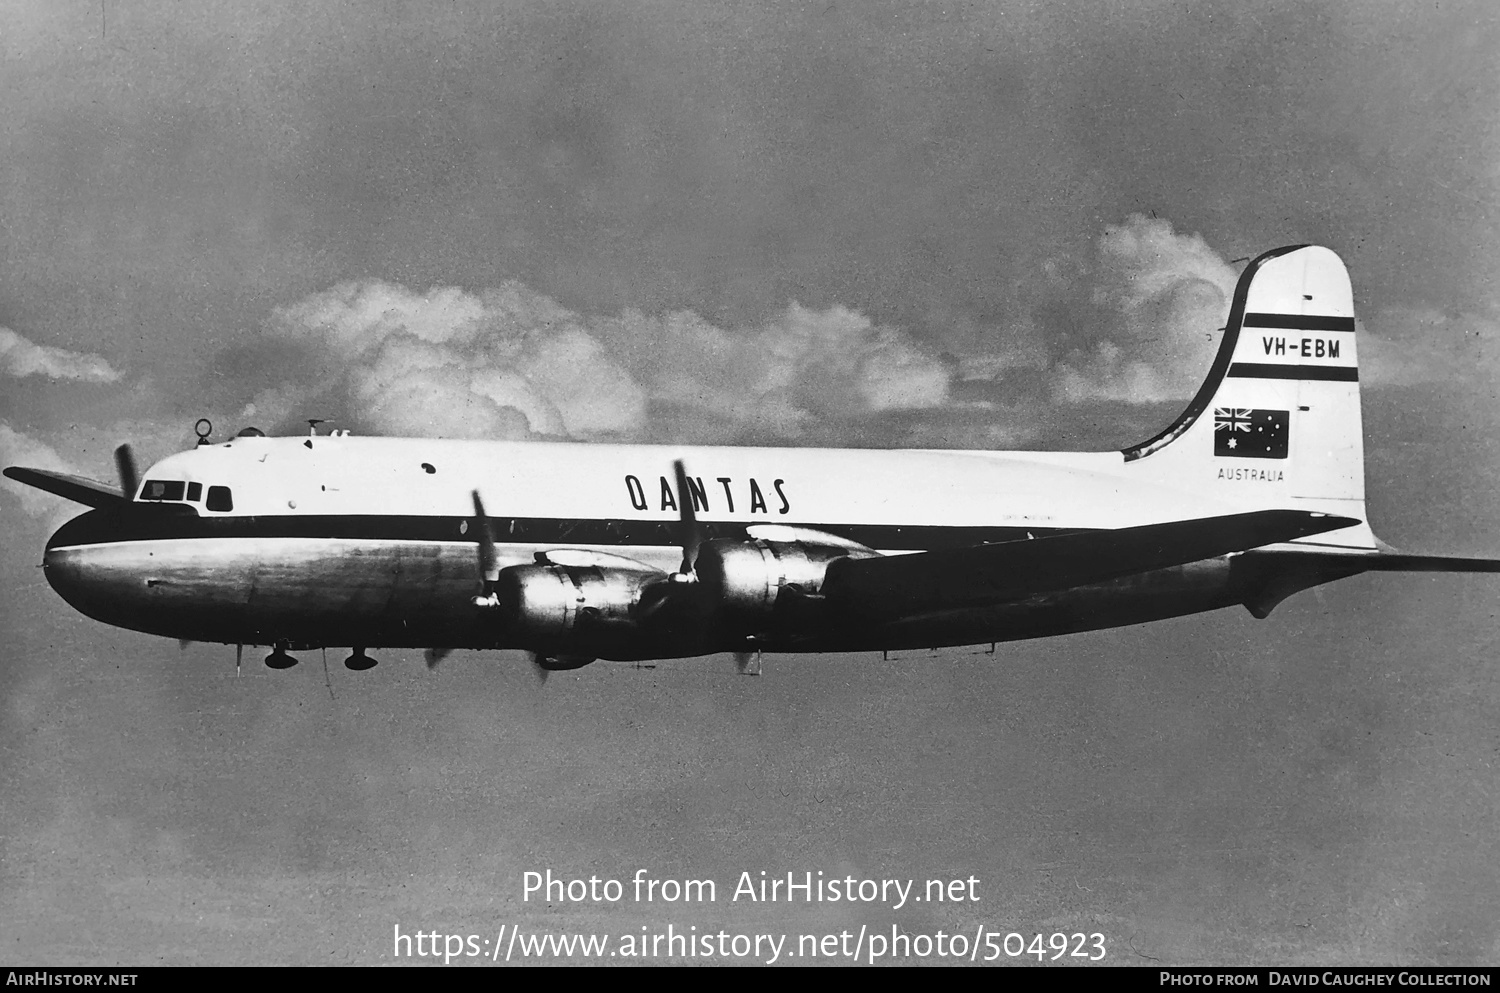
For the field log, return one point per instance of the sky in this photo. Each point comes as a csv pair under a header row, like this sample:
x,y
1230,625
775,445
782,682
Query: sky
x,y
999,225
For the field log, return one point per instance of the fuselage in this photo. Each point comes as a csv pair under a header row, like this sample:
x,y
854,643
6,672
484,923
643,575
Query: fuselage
x,y
340,540
590,550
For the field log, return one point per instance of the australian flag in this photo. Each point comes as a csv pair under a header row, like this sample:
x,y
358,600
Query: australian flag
x,y
1250,434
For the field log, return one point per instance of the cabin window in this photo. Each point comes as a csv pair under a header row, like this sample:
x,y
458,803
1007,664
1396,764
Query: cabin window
x,y
219,498
195,492
163,489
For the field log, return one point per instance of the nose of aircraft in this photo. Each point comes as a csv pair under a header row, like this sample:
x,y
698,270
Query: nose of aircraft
x,y
127,569
86,570
63,562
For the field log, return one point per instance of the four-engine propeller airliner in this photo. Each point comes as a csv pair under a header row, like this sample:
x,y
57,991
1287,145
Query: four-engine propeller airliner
x,y
576,552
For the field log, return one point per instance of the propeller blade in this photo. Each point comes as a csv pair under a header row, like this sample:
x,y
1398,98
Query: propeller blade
x,y
673,588
130,480
539,667
436,655
486,538
748,663
691,535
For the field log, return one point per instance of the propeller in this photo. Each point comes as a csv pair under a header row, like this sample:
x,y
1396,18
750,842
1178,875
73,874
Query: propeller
x,y
689,535
747,663
130,480
489,571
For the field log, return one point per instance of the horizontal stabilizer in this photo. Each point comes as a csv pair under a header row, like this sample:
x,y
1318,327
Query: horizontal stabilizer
x,y
1015,570
1384,561
1432,563
75,488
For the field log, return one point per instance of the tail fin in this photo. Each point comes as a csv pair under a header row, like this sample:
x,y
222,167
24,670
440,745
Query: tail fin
x,y
1277,421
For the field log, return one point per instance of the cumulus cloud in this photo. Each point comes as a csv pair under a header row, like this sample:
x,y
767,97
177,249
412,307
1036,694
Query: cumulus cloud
x,y
836,362
22,357
1133,322
802,369
19,448
508,362
1158,298
501,363
84,449
426,390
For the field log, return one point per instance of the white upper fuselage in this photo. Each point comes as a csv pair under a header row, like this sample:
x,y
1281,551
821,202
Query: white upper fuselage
x,y
343,475
350,540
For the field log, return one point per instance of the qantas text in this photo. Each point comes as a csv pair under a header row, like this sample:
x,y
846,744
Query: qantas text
x,y
748,494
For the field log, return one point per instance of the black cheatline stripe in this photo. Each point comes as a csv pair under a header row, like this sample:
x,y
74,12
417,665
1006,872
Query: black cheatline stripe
x,y
1299,322
148,524
1262,370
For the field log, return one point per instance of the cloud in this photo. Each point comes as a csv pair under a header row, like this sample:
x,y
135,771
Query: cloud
x,y
417,389
802,369
354,317
508,362
1158,297
501,363
19,448
84,449
1132,322
1404,346
1109,373
21,357
837,362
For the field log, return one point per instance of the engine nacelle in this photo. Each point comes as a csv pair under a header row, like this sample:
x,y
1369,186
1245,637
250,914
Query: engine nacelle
x,y
745,577
547,601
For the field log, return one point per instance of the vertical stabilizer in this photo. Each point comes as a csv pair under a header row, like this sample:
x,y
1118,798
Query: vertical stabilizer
x,y
1277,422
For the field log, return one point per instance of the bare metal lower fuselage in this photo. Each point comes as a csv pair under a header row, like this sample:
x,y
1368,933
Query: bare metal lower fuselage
x,y
321,592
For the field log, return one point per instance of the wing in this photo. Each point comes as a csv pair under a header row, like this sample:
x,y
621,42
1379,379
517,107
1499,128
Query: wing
x,y
1015,570
75,488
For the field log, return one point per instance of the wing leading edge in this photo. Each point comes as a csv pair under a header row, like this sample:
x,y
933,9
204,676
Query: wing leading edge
x,y
1015,570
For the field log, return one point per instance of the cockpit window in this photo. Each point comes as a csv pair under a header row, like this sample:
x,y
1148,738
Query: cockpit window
x,y
163,489
195,492
219,498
